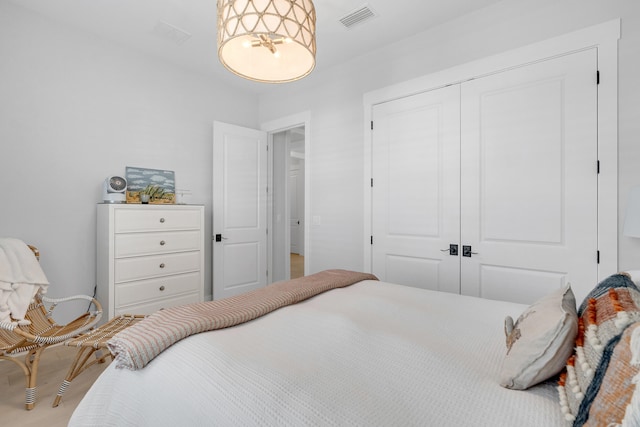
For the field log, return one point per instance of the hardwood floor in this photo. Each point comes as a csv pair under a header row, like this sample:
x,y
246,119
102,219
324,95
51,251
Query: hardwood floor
x,y
54,364
297,266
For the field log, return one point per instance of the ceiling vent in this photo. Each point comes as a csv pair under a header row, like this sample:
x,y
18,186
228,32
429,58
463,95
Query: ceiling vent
x,y
171,33
358,16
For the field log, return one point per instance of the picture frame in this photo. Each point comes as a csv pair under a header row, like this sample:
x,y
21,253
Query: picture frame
x,y
158,184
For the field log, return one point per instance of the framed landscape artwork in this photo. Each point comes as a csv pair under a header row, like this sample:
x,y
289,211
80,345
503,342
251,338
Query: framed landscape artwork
x,y
159,184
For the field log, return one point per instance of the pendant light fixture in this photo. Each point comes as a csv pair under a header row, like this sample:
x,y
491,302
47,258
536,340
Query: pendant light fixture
x,y
271,41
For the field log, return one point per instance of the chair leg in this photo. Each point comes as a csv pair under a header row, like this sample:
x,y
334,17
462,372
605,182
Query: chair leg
x,y
75,370
25,371
32,361
80,364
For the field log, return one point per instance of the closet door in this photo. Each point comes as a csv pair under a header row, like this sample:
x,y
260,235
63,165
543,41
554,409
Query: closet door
x,y
529,180
415,194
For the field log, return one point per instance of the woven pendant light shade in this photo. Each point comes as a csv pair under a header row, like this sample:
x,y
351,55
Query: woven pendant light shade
x,y
269,41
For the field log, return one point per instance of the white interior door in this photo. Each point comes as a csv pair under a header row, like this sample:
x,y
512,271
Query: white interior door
x,y
301,215
505,166
239,209
294,205
416,190
529,179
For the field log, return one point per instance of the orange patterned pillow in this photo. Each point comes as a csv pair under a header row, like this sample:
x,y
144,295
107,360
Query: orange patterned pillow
x,y
604,315
611,394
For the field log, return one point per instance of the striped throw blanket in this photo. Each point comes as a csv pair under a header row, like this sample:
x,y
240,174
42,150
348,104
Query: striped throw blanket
x,y
137,345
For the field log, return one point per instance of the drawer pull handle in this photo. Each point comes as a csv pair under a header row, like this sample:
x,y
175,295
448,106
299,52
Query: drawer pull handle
x,y
162,242
162,265
162,288
161,219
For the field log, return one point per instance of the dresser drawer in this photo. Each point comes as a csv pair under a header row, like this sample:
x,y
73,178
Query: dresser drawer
x,y
153,306
146,267
163,287
132,244
151,219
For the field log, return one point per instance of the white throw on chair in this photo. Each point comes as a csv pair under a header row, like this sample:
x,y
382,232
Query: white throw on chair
x,y
27,327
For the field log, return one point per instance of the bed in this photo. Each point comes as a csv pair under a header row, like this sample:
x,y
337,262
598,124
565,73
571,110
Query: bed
x,y
372,353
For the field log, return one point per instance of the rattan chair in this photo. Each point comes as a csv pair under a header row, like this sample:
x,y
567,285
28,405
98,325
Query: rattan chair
x,y
31,340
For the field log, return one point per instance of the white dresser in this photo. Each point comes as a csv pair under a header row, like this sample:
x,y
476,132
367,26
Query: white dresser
x,y
149,257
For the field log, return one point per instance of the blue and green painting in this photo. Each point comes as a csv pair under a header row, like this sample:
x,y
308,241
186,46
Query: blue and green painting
x,y
159,184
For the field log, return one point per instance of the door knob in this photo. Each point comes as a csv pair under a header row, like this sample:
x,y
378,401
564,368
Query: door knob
x,y
219,238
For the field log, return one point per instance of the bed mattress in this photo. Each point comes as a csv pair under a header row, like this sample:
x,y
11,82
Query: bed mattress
x,y
371,354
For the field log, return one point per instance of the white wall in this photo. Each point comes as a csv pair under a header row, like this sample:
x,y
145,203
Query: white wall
x,y
336,105
73,110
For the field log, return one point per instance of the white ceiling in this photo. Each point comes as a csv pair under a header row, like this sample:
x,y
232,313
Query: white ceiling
x,y
132,22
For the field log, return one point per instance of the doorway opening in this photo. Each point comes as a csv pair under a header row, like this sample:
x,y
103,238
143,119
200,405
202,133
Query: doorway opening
x,y
296,200
288,203
289,143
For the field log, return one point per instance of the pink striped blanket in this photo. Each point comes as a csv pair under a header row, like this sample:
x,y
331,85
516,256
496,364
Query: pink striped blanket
x,y
137,345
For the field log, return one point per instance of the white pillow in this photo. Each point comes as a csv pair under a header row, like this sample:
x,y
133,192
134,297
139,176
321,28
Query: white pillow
x,y
540,341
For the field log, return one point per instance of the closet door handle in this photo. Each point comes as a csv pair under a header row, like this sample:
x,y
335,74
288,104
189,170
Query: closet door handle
x,y
467,252
453,250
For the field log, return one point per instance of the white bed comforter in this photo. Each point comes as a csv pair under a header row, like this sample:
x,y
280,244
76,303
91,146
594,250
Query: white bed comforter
x,y
372,354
